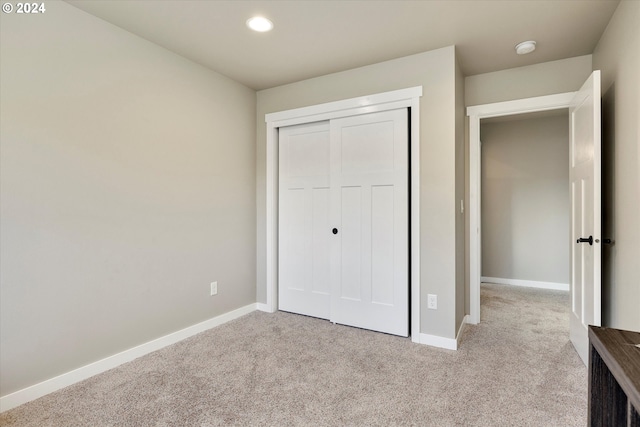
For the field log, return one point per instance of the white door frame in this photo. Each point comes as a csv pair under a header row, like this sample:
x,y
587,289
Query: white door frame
x,y
475,113
403,98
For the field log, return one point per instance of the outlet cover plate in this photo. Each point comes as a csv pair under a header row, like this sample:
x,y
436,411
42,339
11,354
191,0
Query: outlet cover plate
x,y
432,301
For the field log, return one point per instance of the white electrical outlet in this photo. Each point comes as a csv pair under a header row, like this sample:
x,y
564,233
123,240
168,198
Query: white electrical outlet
x,y
214,288
432,301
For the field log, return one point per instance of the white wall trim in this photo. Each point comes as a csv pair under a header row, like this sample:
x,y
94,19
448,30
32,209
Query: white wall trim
x,y
526,283
262,307
520,106
403,98
49,386
476,113
344,108
437,341
442,342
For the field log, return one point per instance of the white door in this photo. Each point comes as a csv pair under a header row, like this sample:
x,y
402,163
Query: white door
x,y
369,196
343,221
303,220
584,122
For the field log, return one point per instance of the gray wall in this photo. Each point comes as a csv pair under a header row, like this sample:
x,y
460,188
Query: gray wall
x,y
127,185
525,199
435,72
618,56
548,78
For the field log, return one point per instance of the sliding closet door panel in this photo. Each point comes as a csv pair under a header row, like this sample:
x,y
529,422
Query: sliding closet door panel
x,y
303,220
350,261
296,240
369,195
365,149
382,259
321,284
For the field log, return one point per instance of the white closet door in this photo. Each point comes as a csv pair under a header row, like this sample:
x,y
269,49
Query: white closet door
x,y
369,210
303,221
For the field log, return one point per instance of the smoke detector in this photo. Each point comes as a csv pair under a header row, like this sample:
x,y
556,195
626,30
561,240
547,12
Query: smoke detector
x,y
525,47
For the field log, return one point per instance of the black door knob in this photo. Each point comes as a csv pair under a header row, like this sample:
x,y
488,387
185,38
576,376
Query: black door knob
x,y
334,231
585,240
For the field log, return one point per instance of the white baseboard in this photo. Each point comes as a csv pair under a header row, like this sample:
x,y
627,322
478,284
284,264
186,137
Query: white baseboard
x,y
527,283
437,341
442,342
38,390
263,307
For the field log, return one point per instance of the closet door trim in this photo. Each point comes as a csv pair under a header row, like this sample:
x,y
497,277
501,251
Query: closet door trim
x,y
404,98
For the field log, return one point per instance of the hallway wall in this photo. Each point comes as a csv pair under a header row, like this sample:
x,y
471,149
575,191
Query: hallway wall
x,y
525,199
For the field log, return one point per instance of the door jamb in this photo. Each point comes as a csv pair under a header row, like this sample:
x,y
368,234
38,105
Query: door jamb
x,y
475,113
403,98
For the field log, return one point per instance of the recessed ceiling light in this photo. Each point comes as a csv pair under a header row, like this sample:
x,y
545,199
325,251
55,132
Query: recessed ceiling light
x,y
525,47
260,24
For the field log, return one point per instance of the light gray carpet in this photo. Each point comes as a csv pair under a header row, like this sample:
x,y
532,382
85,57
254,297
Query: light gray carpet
x,y
517,368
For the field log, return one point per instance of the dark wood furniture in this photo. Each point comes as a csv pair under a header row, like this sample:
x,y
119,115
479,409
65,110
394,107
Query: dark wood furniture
x,y
614,377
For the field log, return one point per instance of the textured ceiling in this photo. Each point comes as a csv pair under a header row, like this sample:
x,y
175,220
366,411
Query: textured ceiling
x,y
313,38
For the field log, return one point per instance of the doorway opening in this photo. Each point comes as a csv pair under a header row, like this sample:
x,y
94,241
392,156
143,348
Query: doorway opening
x,y
476,114
525,222
585,183
525,200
